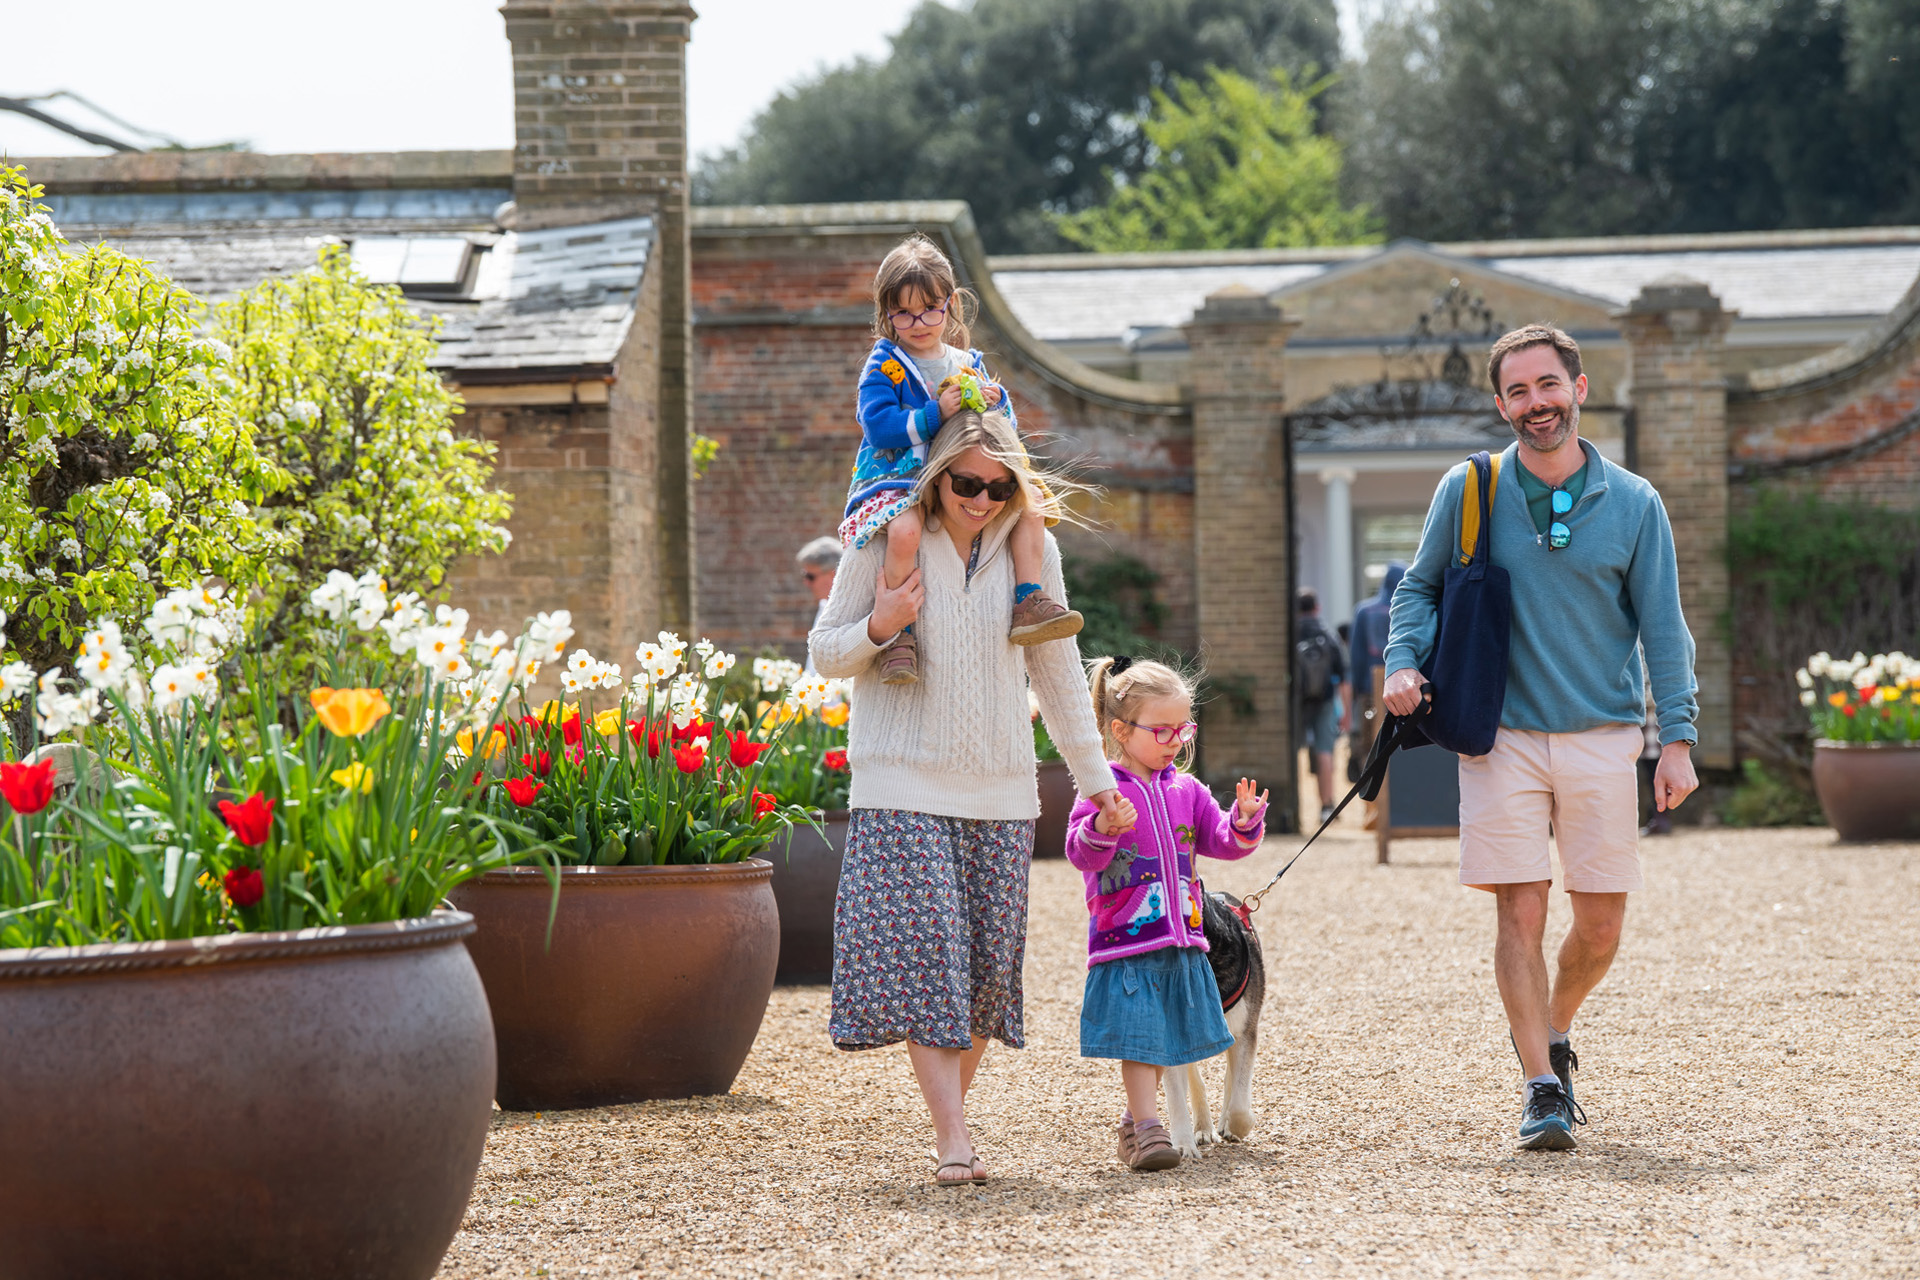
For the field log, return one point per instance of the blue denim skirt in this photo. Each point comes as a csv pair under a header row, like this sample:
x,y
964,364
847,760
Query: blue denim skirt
x,y
1161,1008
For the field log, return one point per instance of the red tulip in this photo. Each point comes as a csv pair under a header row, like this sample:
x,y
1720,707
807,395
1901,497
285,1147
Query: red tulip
x,y
523,790
27,787
252,820
480,779
510,729
763,804
1867,692
570,730
696,728
541,764
244,886
835,760
1848,711
689,759
743,751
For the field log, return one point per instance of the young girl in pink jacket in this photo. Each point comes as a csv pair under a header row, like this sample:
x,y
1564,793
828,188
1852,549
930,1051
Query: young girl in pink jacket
x,y
1151,1000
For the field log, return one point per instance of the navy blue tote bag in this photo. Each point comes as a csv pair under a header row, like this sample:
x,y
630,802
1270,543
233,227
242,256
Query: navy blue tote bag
x,y
1468,667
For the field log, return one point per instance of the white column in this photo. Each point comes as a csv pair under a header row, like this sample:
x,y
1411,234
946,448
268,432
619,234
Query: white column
x,y
1338,605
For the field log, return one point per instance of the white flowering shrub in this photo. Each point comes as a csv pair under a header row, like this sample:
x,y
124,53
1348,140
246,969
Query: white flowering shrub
x,y
123,469
334,376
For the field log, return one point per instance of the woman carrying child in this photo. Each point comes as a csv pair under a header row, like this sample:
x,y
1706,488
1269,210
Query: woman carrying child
x,y
931,919
1151,1000
913,383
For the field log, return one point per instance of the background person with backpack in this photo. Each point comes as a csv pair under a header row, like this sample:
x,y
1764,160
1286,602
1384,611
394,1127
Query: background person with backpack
x,y
1326,693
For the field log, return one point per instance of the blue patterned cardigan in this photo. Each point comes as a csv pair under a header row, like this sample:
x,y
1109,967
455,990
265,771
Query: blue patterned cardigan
x,y
898,415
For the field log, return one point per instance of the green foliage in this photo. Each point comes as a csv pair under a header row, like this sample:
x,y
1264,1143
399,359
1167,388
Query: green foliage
x,y
335,376
1478,119
1116,598
1803,554
1765,799
1236,164
1021,107
123,468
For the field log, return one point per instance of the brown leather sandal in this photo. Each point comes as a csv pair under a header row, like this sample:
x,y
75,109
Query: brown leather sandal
x,y
967,1181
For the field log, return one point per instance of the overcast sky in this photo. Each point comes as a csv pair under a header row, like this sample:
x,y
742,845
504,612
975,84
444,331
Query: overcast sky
x,y
380,75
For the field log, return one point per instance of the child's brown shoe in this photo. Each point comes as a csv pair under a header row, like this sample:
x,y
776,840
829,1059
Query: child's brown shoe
x,y
900,661
1040,618
1127,1144
1152,1149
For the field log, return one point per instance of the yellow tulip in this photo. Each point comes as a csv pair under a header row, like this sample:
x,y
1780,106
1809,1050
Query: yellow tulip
x,y
835,714
495,743
608,722
349,712
1837,699
551,712
355,777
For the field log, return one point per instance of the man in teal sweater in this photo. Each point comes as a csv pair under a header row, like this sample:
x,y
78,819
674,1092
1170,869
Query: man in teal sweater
x,y
1595,590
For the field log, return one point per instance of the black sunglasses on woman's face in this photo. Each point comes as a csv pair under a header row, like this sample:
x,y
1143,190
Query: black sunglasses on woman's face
x,y
965,486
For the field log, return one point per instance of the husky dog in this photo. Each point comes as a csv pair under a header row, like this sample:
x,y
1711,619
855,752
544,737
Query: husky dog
x,y
1240,971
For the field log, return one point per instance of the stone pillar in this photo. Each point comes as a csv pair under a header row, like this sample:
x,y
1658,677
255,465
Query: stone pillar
x,y
1338,606
600,127
1677,331
1243,546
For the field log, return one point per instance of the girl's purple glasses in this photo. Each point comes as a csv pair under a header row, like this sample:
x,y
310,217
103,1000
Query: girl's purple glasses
x,y
930,317
1167,733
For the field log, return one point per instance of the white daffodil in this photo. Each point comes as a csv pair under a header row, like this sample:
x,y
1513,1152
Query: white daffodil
x,y
1803,678
445,664
571,682
673,644
718,664
403,628
606,675
435,645
685,692
703,648
1819,663
15,679
807,693
485,648
103,660
550,632
580,663
451,618
1806,697
333,596
728,710
170,620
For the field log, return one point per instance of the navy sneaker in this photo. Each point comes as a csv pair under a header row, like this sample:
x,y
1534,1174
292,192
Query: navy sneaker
x,y
1560,1057
1564,1061
1547,1122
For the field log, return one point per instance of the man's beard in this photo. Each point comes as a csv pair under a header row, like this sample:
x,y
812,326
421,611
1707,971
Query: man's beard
x,y
1546,436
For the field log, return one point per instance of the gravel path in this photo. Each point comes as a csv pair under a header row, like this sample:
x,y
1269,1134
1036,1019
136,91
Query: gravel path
x,y
1747,1068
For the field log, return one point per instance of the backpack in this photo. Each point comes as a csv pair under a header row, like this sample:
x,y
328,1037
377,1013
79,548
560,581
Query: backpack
x,y
1313,659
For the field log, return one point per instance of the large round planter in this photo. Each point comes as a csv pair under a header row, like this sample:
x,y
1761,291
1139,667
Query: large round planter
x,y
1869,790
653,987
1057,797
806,877
273,1104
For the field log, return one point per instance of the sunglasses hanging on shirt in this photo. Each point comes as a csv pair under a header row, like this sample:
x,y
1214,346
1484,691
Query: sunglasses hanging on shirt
x,y
1558,535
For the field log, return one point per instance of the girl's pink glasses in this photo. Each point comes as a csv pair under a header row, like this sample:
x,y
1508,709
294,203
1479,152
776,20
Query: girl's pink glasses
x,y
1168,733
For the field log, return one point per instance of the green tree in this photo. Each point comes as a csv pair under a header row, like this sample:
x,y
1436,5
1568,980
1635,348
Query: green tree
x,y
1021,107
124,471
335,376
1235,164
1472,119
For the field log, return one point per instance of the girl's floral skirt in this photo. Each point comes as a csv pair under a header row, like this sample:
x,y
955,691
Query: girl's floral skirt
x,y
930,930
873,515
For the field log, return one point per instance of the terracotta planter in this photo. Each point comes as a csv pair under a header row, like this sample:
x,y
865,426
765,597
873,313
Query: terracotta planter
x,y
806,876
1057,796
1869,790
276,1104
654,985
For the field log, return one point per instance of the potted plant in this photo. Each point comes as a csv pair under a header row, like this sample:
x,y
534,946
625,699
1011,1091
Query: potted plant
x,y
1866,751
651,975
224,939
1057,793
808,768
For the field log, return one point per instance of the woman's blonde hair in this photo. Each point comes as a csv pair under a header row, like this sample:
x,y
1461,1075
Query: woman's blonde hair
x,y
1121,686
915,263
994,434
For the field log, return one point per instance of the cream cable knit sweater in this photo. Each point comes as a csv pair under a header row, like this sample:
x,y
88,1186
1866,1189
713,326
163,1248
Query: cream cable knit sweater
x,y
959,743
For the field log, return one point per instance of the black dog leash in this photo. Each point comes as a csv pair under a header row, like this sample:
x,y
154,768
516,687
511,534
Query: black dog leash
x,y
1385,743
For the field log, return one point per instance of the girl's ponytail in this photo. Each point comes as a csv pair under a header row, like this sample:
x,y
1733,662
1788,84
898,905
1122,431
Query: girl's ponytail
x,y
1097,673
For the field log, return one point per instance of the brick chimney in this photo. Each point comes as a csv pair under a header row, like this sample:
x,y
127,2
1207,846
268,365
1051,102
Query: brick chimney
x,y
600,125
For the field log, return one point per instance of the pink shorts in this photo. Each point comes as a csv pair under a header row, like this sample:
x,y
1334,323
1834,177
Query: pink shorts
x,y
1585,786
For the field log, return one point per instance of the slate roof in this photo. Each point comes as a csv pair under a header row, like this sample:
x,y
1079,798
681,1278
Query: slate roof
x,y
1064,303
557,298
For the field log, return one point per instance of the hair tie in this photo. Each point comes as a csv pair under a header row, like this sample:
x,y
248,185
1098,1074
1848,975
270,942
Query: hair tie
x,y
1119,664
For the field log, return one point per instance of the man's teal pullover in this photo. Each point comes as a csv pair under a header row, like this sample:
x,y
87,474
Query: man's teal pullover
x,y
1581,615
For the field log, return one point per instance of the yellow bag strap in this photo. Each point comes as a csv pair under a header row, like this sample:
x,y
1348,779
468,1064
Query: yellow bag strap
x,y
1470,508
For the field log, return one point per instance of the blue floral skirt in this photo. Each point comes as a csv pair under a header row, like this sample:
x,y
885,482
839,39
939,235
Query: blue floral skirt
x,y
1161,1008
930,930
